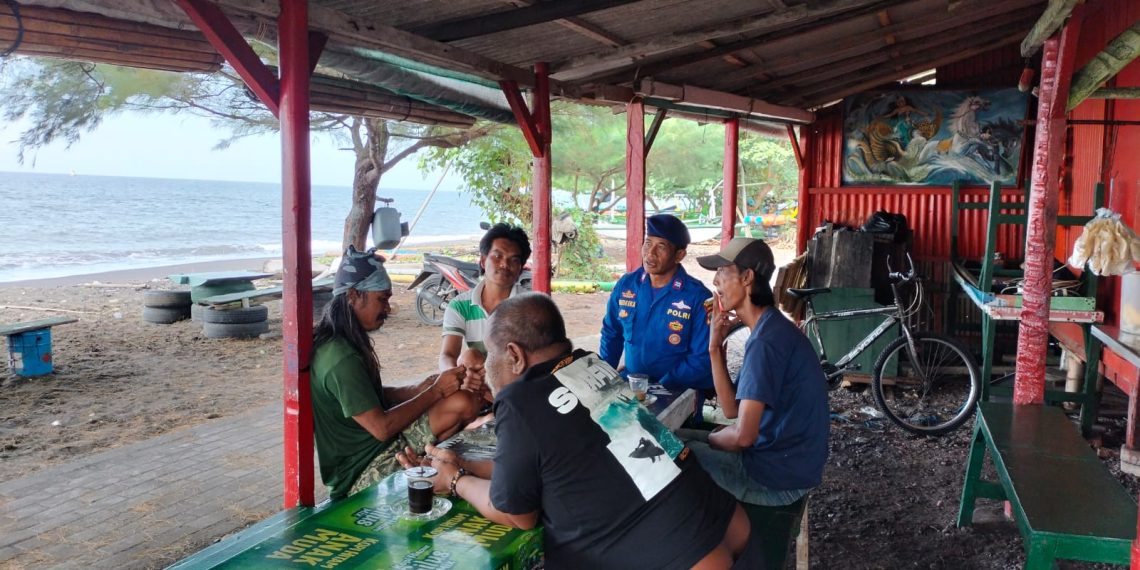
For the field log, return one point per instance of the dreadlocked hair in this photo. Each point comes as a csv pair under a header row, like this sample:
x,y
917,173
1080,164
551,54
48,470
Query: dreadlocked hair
x,y
339,320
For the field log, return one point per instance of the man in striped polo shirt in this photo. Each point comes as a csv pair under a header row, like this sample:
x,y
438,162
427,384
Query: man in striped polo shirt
x,y
503,251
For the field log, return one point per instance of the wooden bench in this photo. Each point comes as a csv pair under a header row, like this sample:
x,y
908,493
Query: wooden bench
x,y
1066,504
31,338
246,297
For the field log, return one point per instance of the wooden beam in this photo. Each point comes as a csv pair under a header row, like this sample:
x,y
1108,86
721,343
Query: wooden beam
x,y
1116,93
928,26
885,22
796,147
528,123
486,24
701,97
654,127
911,53
591,63
580,26
377,35
1121,51
821,20
933,58
1051,21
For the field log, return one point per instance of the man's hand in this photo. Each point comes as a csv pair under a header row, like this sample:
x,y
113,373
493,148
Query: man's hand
x,y
445,462
720,322
473,360
448,382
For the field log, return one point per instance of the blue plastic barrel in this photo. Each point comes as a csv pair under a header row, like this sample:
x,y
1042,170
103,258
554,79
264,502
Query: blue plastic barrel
x,y
29,353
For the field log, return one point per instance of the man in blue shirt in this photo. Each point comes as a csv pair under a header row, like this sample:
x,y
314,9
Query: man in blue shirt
x,y
775,452
656,315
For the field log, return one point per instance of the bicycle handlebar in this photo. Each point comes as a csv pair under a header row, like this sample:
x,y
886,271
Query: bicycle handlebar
x,y
901,278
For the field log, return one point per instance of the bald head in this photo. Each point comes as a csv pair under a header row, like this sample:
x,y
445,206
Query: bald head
x,y
524,331
532,321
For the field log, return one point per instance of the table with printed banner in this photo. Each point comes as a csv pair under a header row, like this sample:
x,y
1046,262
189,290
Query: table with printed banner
x,y
373,529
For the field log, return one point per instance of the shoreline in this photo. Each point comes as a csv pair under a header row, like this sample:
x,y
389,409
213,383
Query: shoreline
x,y
161,271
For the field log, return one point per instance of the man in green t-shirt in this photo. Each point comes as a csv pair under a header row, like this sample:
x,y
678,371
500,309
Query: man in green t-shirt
x,y
503,251
359,423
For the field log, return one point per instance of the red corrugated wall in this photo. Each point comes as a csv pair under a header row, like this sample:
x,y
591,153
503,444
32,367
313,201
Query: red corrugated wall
x,y
928,208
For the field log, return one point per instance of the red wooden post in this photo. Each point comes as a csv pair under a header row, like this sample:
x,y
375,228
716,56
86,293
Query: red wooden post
x,y
1057,64
731,162
634,183
803,230
542,183
297,318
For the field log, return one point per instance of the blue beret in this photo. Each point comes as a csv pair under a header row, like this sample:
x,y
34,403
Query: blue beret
x,y
669,228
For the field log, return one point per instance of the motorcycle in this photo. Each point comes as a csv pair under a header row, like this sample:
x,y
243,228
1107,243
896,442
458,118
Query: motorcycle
x,y
443,279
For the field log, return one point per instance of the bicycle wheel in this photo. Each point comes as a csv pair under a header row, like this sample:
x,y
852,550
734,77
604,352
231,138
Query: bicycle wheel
x,y
933,390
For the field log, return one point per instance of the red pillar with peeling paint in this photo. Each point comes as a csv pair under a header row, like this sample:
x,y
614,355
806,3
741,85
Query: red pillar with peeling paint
x,y
802,150
1057,64
297,318
731,162
540,106
634,183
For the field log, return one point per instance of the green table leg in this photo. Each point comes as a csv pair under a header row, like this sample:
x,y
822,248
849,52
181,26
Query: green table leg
x,y
1091,406
973,473
989,337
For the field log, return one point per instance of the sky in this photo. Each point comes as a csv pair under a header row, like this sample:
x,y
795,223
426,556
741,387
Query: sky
x,y
181,146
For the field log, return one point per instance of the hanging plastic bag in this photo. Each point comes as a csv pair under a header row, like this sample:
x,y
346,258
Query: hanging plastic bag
x,y
1106,245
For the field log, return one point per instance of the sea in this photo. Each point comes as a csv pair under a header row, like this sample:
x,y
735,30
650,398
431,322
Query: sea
x,y
54,225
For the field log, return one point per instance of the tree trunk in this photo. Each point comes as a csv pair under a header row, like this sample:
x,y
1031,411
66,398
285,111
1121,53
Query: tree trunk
x,y
371,150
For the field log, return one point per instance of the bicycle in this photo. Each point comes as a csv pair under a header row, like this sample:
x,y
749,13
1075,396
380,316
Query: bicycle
x,y
937,382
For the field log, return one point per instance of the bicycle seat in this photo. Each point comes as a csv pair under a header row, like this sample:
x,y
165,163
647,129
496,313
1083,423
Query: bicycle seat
x,y
805,293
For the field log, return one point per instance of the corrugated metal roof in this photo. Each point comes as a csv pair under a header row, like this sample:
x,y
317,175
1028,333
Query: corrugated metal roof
x,y
798,53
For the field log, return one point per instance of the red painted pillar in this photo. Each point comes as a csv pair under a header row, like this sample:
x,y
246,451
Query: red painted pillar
x,y
542,181
634,183
731,162
297,318
1057,63
803,227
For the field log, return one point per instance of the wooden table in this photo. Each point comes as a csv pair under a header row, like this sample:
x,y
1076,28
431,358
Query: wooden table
x,y
371,530
1121,361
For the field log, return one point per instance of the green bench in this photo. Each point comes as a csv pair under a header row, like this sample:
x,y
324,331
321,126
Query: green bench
x,y
780,527
246,297
1066,504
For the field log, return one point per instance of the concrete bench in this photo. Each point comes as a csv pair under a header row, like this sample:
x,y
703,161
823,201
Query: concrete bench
x,y
1066,504
29,345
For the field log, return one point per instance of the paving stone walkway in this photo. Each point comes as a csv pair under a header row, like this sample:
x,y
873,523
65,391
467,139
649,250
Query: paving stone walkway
x,y
147,504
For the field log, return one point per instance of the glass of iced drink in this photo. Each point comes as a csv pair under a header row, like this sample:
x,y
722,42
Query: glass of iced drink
x,y
639,383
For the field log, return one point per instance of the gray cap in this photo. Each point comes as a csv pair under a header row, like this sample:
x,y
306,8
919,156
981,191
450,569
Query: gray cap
x,y
745,253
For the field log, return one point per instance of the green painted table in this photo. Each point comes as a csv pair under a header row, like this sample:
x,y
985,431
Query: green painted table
x,y
370,530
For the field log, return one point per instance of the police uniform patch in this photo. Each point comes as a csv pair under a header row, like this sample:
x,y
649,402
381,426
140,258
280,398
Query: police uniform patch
x,y
628,294
674,339
676,326
623,314
677,285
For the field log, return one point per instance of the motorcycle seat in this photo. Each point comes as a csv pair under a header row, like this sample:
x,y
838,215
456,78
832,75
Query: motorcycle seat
x,y
458,264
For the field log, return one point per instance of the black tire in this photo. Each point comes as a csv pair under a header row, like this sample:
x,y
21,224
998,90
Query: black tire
x,y
196,311
237,315
433,290
166,299
937,394
164,316
235,330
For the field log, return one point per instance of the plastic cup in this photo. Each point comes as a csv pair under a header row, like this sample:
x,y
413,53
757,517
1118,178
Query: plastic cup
x,y
421,481
639,383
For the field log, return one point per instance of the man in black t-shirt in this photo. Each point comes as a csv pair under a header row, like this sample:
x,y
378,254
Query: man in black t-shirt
x,y
611,485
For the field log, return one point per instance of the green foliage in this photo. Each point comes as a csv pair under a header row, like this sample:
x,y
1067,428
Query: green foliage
x,y
496,171
771,164
581,258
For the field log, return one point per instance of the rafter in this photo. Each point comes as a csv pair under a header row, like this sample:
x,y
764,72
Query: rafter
x,y
462,28
1051,21
708,98
827,72
626,54
581,26
823,20
376,35
915,64
867,42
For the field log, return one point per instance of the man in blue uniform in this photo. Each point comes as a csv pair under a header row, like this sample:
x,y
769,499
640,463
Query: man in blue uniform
x,y
656,315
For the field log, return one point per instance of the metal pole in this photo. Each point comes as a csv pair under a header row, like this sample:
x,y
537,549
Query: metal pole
x,y
542,181
297,318
1041,227
731,160
634,183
